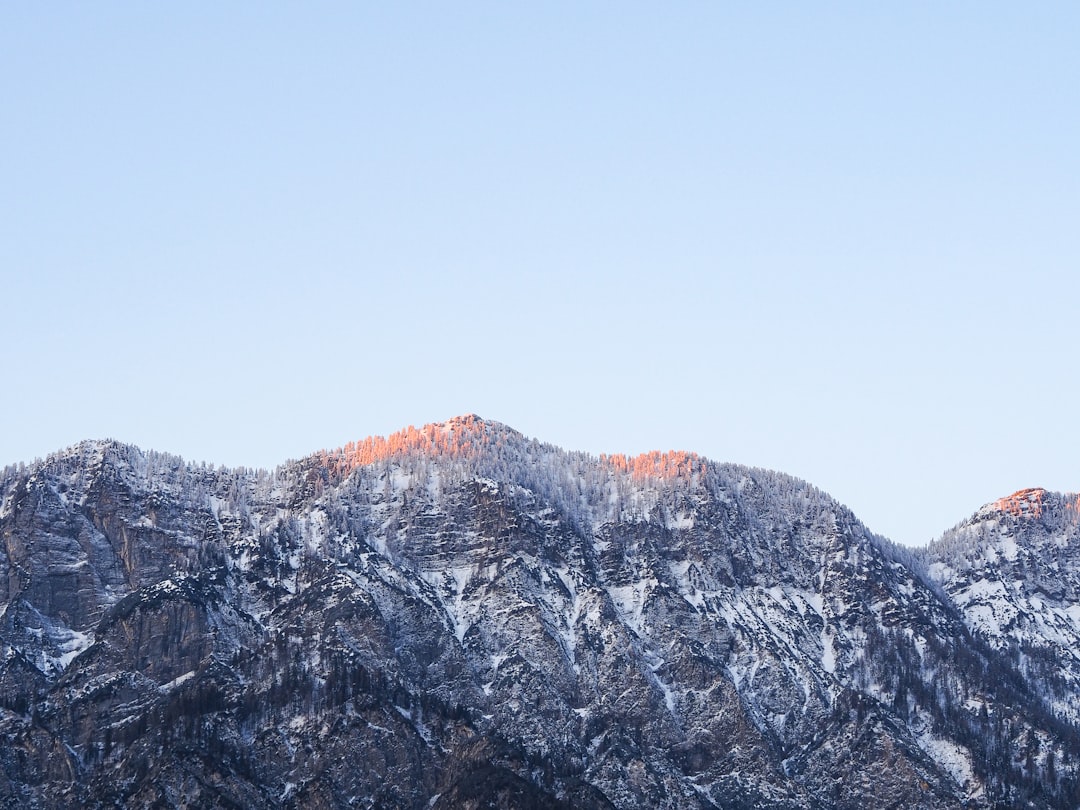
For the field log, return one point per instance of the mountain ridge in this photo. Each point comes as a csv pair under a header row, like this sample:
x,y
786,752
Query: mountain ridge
x,y
458,615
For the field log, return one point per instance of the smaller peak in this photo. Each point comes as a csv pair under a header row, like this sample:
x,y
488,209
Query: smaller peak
x,y
104,444
91,449
1022,503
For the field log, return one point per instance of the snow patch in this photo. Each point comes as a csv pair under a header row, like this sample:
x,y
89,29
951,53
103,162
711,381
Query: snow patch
x,y
828,652
629,601
953,758
680,521
71,643
175,682
1009,549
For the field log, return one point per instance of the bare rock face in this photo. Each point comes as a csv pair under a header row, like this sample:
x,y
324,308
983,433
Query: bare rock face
x,y
459,617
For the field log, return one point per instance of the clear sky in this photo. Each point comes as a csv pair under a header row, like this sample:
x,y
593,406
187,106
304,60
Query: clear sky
x,y
841,240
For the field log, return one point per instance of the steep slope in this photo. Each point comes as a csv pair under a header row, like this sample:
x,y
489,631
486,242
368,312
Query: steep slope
x,y
1013,569
460,616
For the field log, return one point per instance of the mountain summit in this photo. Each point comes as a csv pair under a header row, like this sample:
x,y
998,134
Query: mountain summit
x,y
460,616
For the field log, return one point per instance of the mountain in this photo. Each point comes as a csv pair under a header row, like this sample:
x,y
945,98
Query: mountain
x,y
460,616
1013,569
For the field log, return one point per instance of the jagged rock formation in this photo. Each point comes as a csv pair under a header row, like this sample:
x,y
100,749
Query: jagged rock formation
x,y
458,616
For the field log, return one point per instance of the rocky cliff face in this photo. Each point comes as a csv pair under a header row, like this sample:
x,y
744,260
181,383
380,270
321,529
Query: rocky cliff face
x,y
457,616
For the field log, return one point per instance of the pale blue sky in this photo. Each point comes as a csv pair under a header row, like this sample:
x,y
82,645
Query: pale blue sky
x,y
835,239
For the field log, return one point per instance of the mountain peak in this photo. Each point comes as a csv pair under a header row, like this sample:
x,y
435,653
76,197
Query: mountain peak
x,y
1023,503
460,437
467,421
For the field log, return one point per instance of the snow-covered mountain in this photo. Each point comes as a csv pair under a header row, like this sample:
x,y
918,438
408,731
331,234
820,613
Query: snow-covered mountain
x,y
1013,569
459,616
